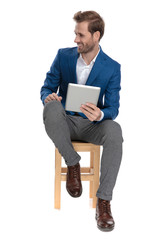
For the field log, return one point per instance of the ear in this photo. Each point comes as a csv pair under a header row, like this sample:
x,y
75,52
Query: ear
x,y
97,36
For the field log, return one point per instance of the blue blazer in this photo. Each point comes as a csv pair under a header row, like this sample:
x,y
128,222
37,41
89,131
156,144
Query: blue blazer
x,y
104,74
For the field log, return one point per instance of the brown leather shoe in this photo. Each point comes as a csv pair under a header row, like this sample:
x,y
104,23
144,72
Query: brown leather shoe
x,y
73,183
104,217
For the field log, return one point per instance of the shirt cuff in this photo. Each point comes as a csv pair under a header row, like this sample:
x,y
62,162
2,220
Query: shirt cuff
x,y
102,116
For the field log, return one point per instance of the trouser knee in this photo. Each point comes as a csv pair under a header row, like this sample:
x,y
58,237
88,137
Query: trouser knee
x,y
113,132
52,111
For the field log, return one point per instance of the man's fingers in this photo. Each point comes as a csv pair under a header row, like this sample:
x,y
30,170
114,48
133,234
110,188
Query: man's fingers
x,y
56,97
91,111
88,114
91,105
53,96
87,108
48,98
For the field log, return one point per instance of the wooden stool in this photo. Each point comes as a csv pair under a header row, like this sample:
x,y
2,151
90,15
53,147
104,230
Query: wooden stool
x,y
87,173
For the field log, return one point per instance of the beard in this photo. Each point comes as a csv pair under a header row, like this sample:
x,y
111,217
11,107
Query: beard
x,y
86,48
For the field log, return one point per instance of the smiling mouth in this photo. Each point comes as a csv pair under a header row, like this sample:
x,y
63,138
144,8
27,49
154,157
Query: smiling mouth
x,y
80,45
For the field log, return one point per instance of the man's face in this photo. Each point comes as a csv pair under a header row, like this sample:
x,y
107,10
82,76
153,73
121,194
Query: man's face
x,y
84,39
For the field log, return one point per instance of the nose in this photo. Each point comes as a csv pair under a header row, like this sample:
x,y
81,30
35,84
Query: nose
x,y
76,40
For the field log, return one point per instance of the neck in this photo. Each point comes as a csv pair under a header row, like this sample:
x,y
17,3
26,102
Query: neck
x,y
89,56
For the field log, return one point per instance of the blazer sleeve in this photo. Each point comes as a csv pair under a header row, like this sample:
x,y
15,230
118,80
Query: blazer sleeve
x,y
53,79
112,96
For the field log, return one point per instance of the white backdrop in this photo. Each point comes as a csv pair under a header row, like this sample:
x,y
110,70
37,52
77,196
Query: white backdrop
x,y
31,34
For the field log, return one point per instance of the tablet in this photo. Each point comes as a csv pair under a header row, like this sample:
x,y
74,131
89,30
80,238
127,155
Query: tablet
x,y
80,94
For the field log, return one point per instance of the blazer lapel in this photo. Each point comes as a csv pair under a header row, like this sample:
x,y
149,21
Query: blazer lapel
x,y
72,66
97,67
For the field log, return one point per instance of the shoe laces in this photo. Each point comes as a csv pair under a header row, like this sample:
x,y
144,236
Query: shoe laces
x,y
105,206
74,171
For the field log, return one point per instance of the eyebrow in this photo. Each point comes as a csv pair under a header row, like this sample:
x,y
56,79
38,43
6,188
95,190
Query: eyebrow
x,y
79,33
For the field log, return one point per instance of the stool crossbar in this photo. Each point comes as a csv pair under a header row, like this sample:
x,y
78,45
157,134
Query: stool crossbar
x,y
90,173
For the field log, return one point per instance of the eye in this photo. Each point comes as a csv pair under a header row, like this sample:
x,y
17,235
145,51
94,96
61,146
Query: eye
x,y
79,34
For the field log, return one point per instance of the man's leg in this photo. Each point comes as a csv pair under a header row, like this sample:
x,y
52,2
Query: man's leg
x,y
59,128
111,159
108,134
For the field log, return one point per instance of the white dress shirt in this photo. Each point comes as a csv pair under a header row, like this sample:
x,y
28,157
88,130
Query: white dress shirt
x,y
83,70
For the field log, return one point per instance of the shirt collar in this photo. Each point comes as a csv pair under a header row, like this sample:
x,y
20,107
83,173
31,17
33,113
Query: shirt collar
x,y
92,62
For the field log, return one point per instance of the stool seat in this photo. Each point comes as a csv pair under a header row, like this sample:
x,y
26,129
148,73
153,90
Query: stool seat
x,y
90,173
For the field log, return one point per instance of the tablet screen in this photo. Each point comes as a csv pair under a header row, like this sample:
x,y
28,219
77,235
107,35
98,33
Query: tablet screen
x,y
80,94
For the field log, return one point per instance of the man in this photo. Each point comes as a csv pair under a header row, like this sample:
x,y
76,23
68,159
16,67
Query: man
x,y
86,64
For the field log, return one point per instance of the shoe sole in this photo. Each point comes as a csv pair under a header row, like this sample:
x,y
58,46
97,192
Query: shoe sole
x,y
104,229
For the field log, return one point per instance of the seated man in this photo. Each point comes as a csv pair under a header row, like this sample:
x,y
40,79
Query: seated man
x,y
86,64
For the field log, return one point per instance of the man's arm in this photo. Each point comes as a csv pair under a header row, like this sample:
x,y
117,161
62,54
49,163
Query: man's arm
x,y
52,82
112,97
111,101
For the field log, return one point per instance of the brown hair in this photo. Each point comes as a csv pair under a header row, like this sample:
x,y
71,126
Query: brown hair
x,y
95,21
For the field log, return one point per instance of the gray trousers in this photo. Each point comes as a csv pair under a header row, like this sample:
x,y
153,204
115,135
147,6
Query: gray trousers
x,y
63,128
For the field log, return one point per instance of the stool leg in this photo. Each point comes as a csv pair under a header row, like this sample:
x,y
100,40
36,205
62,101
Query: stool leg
x,y
57,193
96,175
91,166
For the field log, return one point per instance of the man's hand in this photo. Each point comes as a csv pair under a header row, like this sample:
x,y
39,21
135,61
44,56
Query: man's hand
x,y
51,97
92,112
